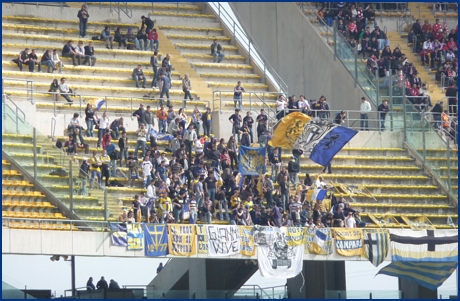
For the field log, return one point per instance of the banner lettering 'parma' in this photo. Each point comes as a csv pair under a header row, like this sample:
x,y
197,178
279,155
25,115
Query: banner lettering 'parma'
x,y
182,240
247,245
202,239
251,160
135,237
275,257
349,242
156,240
318,241
223,240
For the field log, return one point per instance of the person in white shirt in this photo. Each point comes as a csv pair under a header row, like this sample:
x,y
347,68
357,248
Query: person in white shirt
x,y
450,56
163,158
198,147
427,44
56,60
151,193
141,140
190,137
350,221
364,114
103,123
147,168
280,107
303,104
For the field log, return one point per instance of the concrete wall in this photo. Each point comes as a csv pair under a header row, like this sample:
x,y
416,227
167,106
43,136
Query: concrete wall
x,y
299,55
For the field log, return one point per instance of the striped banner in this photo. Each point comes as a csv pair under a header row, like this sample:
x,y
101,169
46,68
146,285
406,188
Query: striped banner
x,y
376,245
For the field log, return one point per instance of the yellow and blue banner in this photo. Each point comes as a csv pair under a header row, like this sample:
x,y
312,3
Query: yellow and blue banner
x,y
135,236
349,242
202,239
295,236
251,160
318,241
247,245
118,235
156,240
376,245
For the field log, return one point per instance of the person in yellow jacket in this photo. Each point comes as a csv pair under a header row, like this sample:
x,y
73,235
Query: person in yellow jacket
x,y
95,169
105,160
166,207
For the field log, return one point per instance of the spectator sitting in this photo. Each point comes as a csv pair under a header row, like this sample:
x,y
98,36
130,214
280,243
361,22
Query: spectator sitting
x,y
107,37
138,75
70,144
120,38
216,51
130,38
23,58
65,90
155,43
79,142
33,60
74,123
89,54
54,87
69,51
80,50
141,40
47,61
56,60
117,126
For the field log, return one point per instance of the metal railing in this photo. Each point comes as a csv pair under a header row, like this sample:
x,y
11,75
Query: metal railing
x,y
53,127
405,20
29,87
118,7
239,36
16,118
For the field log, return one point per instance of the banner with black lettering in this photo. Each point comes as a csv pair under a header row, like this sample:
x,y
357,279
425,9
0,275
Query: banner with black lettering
x,y
349,242
223,240
156,240
181,240
201,239
247,241
135,236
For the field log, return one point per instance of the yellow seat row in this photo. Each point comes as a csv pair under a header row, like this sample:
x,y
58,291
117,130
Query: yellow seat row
x,y
190,28
451,168
41,20
421,206
16,183
207,56
198,37
23,145
231,75
440,159
17,136
222,66
412,215
172,14
377,167
36,204
401,186
451,177
61,106
232,85
5,163
40,156
203,46
155,5
437,150
128,189
89,208
10,173
22,193
20,214
82,197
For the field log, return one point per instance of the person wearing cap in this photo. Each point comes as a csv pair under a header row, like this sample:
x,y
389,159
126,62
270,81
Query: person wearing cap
x,y
236,120
206,118
364,114
84,176
147,23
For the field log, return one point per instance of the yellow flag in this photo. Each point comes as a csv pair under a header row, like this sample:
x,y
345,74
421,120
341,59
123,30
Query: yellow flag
x,y
259,186
288,130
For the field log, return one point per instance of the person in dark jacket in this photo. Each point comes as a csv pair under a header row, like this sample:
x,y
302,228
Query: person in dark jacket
x,y
293,169
47,60
120,38
79,141
216,51
147,23
383,109
154,63
206,118
84,177
83,15
340,117
139,114
90,285
437,111
102,284
89,54
69,51
113,285
451,94
123,145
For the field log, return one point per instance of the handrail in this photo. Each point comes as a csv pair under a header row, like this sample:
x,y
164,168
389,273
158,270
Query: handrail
x,y
53,127
405,19
256,93
240,36
16,120
323,28
128,11
29,87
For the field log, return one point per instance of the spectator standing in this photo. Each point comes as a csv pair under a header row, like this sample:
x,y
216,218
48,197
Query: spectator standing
x,y
107,37
236,120
90,285
364,114
162,116
324,109
147,23
69,51
89,55
113,285
238,95
65,90
216,51
103,123
138,75
451,94
165,85
149,119
186,87
160,267
83,16
95,170
139,114
154,63
190,137
350,221
84,177
249,121
147,169
123,145
340,117
207,120
105,171
383,109
281,104
141,133
293,169
437,111
89,118
166,63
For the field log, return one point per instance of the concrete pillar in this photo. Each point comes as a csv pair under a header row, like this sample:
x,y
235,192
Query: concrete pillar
x,y
320,276
197,278
411,290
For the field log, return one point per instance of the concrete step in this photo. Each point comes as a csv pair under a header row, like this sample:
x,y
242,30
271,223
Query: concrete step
x,y
166,18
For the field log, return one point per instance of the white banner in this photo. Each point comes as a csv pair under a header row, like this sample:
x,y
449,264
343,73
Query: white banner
x,y
276,259
223,240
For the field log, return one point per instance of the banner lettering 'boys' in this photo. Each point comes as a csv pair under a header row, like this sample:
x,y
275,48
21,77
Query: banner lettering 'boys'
x,y
295,236
135,237
223,240
202,239
182,240
247,241
156,240
349,242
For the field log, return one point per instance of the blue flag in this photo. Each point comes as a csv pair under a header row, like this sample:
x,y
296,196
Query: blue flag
x,y
118,234
156,240
251,161
331,144
321,195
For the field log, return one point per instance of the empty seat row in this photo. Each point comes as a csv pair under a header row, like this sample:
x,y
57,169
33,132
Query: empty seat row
x,y
36,204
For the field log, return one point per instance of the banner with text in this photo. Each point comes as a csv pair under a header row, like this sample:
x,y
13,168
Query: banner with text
x,y
295,236
201,239
181,240
349,242
223,240
247,241
135,237
156,240
318,241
